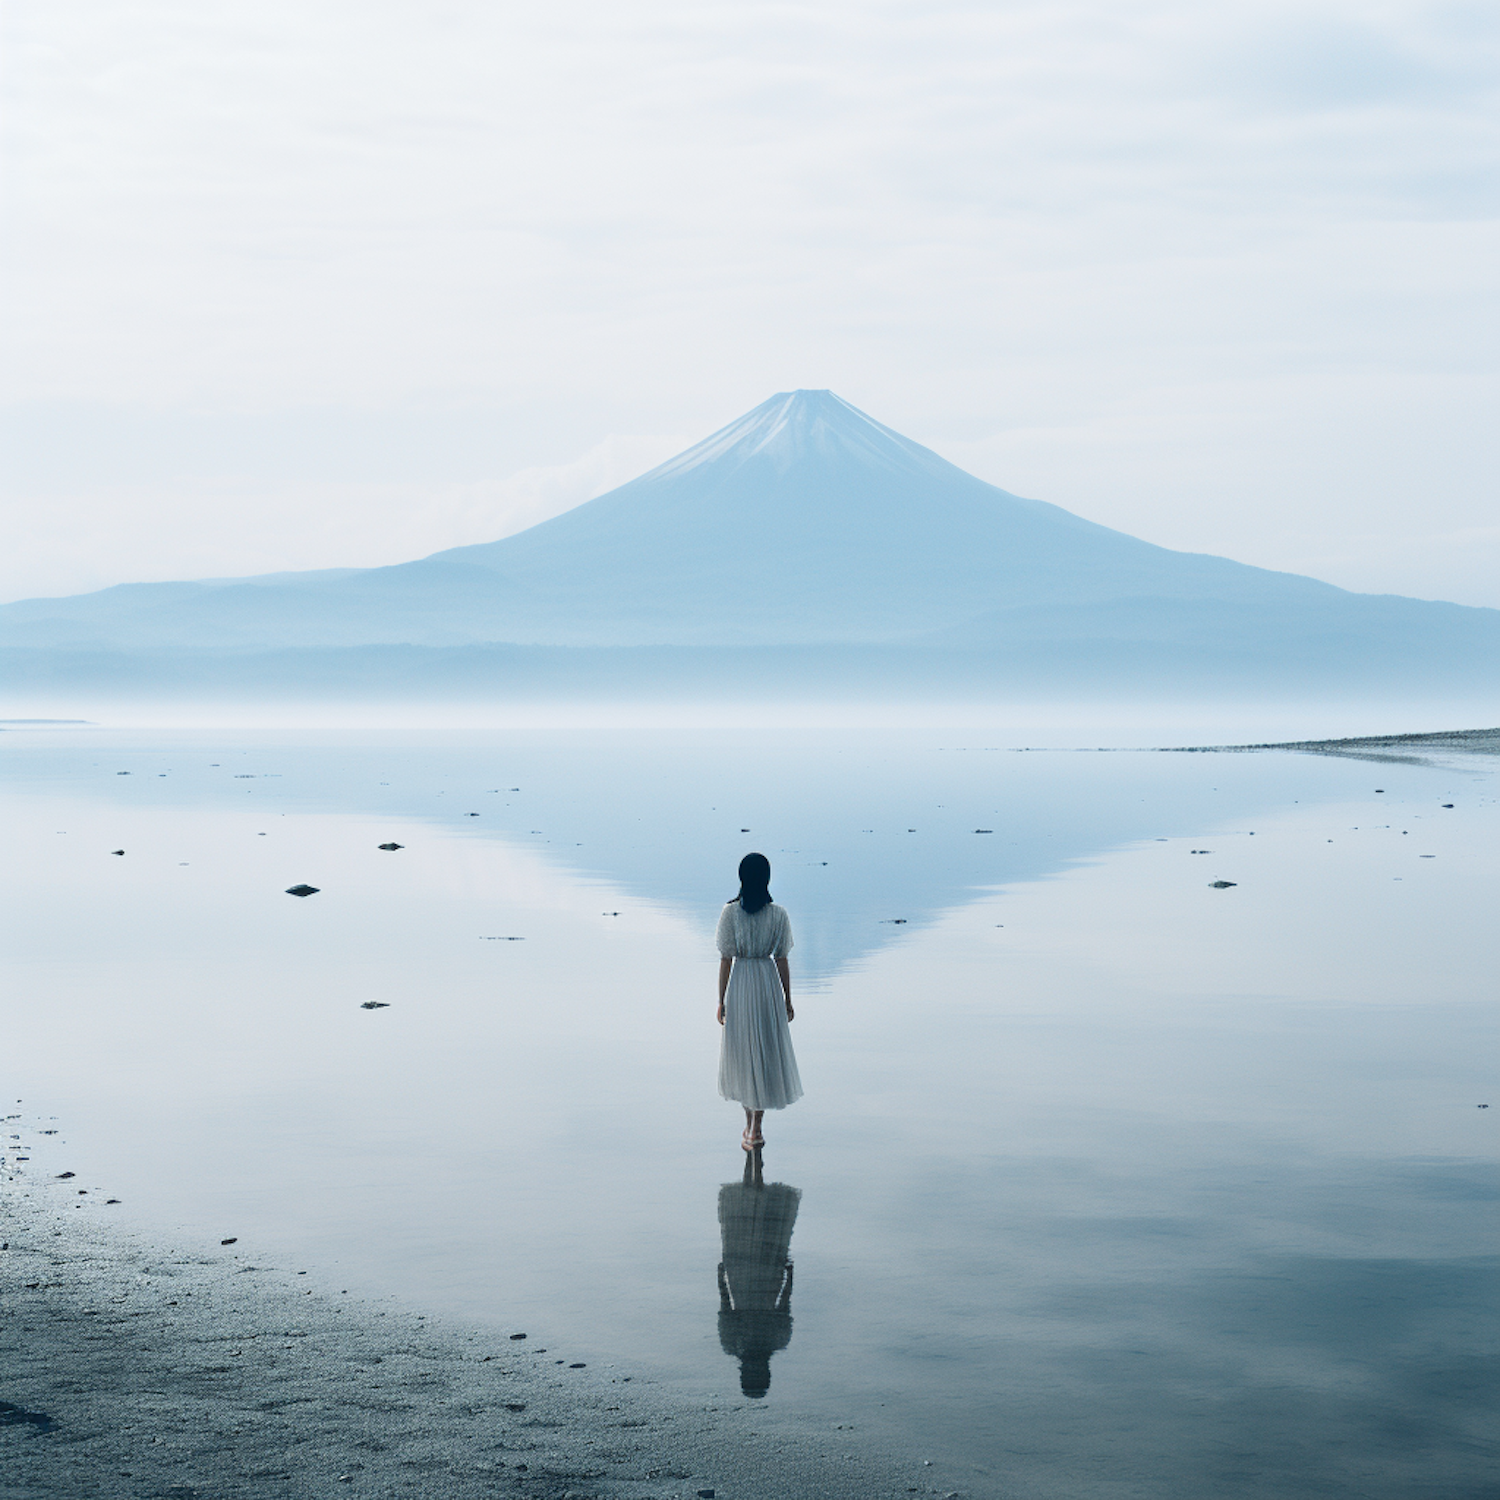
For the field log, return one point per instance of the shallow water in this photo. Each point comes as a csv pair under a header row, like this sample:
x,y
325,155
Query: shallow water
x,y
1111,1182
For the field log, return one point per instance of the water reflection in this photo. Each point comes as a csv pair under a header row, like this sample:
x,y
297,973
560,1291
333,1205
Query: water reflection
x,y
756,1219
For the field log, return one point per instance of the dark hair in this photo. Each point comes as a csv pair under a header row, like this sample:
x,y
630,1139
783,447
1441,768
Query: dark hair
x,y
755,1375
755,882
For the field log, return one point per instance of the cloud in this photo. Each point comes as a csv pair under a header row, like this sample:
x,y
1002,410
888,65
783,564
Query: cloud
x,y
588,218
95,536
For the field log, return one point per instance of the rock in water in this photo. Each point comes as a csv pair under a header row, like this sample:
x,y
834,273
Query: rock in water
x,y
302,890
390,846
1222,885
374,1005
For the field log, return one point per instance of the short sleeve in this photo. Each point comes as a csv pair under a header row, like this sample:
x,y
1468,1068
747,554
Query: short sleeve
x,y
783,936
724,934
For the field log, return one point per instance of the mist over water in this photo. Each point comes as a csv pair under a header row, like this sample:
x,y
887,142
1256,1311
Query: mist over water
x,y
1106,1181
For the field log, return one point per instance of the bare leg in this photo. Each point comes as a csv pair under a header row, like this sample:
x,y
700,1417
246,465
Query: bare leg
x,y
749,1129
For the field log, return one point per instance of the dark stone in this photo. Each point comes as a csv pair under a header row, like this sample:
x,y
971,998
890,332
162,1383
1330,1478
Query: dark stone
x,y
302,890
390,846
1447,804
515,1406
12,1415
374,1005
984,830
116,851
578,1367
1222,885
63,1176
232,1240
705,1495
518,1335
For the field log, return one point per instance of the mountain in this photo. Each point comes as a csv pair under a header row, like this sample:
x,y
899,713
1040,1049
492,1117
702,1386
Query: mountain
x,y
803,524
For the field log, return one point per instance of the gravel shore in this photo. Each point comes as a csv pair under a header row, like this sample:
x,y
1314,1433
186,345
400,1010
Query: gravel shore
x,y
136,1370
1411,748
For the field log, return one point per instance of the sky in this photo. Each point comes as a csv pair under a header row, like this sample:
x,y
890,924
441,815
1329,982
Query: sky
x,y
335,284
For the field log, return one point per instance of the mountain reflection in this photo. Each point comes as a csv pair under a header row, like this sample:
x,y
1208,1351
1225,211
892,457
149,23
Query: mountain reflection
x,y
756,1219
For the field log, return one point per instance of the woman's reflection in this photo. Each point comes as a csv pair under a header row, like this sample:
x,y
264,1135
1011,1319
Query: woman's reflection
x,y
755,1275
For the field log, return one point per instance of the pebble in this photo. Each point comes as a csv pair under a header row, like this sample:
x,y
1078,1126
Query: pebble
x,y
1222,885
390,846
302,890
374,1005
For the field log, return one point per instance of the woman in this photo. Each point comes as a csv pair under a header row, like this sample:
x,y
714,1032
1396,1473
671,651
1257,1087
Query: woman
x,y
757,1066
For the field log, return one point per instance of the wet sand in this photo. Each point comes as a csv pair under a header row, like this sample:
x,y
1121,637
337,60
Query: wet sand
x,y
135,1369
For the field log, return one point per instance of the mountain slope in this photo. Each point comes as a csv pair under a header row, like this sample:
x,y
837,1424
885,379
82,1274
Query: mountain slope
x,y
805,522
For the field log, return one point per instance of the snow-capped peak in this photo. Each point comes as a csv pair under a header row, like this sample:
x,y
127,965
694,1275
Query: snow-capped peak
x,y
799,424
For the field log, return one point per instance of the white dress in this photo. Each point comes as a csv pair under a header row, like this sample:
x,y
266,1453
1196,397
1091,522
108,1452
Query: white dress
x,y
757,1066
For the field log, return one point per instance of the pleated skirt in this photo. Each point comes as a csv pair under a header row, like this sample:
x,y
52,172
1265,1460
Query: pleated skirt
x,y
757,1066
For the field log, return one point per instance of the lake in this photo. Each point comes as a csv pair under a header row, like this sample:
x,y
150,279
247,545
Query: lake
x,y
1109,1179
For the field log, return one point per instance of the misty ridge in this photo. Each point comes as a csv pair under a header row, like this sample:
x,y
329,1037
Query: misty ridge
x,y
804,548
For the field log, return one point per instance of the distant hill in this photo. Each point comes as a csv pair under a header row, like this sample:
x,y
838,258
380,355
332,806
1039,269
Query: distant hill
x,y
804,524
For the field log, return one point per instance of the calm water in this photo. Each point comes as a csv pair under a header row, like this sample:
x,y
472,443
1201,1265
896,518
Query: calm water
x,y
1107,1182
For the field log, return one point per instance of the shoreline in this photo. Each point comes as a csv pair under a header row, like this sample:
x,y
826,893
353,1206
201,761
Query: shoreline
x,y
1407,748
139,1369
